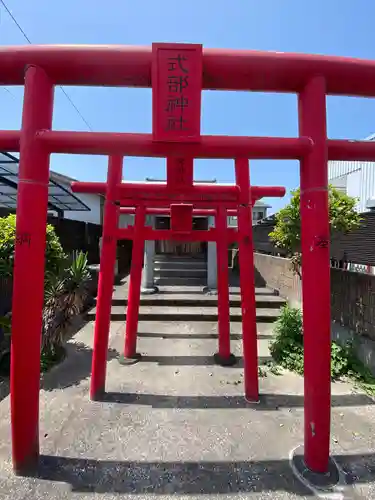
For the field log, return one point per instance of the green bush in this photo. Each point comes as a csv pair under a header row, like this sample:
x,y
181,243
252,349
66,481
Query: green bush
x,y
286,348
287,345
54,251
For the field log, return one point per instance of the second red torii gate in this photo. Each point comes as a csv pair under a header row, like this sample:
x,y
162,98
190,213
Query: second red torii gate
x,y
139,233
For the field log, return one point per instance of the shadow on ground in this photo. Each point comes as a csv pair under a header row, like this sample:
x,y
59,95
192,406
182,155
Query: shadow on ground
x,y
179,317
178,478
190,478
270,402
196,360
194,336
75,368
50,377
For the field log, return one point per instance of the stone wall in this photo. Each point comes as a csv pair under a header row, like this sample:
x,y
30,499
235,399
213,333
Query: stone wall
x,y
276,273
352,294
353,301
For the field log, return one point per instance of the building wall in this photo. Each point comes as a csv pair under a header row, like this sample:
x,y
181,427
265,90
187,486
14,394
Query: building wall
x,y
357,179
125,220
259,213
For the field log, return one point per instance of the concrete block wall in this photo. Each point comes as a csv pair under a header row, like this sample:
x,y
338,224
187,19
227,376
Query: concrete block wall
x,y
352,301
276,272
352,294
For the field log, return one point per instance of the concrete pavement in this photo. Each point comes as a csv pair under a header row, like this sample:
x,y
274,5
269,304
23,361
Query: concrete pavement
x,y
175,424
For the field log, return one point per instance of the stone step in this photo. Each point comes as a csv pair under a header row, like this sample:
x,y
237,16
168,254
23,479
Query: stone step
x,y
185,291
182,258
167,313
233,290
182,272
180,264
197,330
178,281
200,300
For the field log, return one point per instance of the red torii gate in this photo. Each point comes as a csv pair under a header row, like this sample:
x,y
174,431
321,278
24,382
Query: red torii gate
x,y
312,77
181,222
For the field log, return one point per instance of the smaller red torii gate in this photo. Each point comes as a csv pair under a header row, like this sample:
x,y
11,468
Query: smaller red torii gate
x,y
134,196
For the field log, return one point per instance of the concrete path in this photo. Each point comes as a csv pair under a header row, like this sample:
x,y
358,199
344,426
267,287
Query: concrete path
x,y
176,426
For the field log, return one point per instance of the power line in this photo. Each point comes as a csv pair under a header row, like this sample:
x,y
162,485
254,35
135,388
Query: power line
x,y
62,88
8,91
75,107
3,87
15,21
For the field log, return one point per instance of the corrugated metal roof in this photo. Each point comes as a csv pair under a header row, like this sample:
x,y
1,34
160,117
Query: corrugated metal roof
x,y
357,246
60,197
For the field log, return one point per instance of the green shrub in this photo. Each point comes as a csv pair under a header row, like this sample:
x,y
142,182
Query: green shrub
x,y
286,348
54,251
287,345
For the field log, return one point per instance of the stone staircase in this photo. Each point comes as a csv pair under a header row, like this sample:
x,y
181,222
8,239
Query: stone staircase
x,y
186,303
179,312
174,270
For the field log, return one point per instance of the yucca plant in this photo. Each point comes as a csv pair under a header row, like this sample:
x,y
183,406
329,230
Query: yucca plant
x,y
65,296
55,319
77,280
54,287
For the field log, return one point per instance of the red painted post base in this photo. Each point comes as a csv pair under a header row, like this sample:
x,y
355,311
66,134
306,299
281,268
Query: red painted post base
x,y
29,467
228,360
130,359
317,481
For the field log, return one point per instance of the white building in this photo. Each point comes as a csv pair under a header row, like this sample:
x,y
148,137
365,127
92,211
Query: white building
x,y
355,178
259,213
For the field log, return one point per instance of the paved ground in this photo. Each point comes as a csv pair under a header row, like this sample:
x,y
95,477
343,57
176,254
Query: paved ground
x,y
177,425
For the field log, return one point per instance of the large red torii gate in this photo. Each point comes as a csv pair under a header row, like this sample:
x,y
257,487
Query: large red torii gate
x,y
312,77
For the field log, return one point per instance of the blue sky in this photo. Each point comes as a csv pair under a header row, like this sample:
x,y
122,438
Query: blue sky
x,y
334,27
